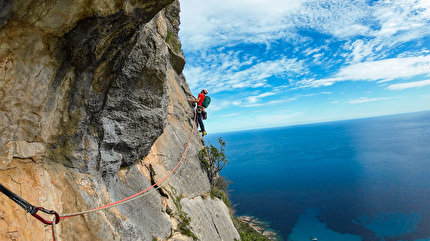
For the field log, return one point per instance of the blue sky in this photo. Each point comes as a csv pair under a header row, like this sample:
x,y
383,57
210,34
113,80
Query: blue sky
x,y
270,63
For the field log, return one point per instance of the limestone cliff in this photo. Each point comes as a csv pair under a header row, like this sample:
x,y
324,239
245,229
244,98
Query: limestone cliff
x,y
93,109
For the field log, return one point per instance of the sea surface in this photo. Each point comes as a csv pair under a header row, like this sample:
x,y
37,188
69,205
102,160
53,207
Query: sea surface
x,y
365,179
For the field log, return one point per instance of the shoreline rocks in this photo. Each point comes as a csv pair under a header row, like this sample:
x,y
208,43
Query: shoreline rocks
x,y
260,226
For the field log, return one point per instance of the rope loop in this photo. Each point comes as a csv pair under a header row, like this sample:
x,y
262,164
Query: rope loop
x,y
51,212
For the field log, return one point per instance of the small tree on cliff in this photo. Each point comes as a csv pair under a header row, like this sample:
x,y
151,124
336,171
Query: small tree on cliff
x,y
214,160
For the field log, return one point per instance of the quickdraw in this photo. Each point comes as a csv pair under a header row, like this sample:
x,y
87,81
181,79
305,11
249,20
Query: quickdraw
x,y
30,208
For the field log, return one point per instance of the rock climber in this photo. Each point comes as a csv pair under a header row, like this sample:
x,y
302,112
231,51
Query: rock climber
x,y
201,111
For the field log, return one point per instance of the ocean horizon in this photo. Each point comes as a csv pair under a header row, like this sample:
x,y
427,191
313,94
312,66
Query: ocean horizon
x,y
364,179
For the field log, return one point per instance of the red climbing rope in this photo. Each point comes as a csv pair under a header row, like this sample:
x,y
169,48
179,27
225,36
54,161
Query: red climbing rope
x,y
139,193
130,198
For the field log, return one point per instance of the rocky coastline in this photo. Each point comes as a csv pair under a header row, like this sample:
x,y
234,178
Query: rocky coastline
x,y
261,227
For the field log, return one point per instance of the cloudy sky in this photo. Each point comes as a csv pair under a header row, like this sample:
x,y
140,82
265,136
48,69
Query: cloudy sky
x,y
273,63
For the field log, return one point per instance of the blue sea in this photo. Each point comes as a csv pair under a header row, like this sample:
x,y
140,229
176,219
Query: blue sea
x,y
365,179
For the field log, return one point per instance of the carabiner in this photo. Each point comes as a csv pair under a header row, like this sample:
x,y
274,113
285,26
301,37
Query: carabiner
x,y
51,212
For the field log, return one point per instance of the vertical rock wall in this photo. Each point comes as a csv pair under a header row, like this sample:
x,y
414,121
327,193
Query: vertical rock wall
x,y
93,109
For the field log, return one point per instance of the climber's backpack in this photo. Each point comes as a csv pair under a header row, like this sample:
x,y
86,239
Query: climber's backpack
x,y
206,101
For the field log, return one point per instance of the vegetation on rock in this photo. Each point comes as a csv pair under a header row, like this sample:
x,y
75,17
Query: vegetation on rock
x,y
184,220
173,42
214,160
247,233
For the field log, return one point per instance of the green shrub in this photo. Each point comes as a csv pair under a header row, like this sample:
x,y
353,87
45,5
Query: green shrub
x,y
184,220
215,192
173,42
183,226
247,233
214,160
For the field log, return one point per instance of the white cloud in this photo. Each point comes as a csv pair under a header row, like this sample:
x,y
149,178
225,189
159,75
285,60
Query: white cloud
x,y
217,105
372,31
315,83
402,18
394,23
226,23
365,100
310,51
359,50
387,69
415,84
254,99
228,71
222,22
383,70
340,18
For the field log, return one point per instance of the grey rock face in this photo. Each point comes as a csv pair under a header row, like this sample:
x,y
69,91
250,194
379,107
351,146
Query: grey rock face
x,y
210,219
119,92
5,11
147,218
